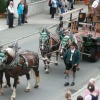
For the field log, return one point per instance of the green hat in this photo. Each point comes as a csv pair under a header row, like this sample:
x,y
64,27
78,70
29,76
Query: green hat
x,y
73,44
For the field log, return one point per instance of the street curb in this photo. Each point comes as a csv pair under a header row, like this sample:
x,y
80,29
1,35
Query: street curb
x,y
80,90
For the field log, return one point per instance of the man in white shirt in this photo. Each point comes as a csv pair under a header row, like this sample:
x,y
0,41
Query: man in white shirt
x,y
96,10
95,3
96,14
10,14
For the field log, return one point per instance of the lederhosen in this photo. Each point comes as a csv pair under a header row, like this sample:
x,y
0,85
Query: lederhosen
x,y
69,66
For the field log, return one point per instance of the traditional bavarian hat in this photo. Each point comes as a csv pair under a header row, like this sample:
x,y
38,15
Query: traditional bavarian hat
x,y
73,44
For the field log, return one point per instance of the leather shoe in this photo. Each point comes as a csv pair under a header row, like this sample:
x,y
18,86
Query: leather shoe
x,y
66,84
72,84
12,27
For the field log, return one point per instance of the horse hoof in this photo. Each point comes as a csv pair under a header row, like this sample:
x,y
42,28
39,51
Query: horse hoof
x,y
12,98
27,90
1,94
46,72
4,86
61,57
36,86
56,64
78,68
44,68
18,81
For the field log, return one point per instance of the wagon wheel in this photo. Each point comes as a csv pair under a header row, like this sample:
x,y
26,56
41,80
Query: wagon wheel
x,y
94,55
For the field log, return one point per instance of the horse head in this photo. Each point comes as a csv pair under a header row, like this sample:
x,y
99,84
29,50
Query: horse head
x,y
44,40
64,44
8,54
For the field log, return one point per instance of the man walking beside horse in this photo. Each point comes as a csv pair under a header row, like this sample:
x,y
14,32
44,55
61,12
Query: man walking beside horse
x,y
71,60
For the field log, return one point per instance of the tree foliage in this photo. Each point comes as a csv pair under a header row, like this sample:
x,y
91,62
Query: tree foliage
x,y
2,6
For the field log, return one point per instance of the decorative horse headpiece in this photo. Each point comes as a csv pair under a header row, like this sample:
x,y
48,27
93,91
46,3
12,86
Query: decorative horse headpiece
x,y
11,52
44,34
65,40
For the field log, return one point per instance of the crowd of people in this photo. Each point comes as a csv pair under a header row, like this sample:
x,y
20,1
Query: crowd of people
x,y
92,92
22,10
60,6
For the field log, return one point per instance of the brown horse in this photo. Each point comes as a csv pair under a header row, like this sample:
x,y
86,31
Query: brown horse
x,y
48,44
15,65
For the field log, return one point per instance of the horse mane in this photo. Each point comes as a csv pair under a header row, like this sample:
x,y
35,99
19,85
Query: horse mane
x,y
9,59
55,37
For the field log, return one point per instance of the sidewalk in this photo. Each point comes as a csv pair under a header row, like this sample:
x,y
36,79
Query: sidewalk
x,y
40,19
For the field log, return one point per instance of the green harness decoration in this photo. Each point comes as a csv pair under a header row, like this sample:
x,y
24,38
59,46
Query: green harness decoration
x,y
65,41
2,57
44,36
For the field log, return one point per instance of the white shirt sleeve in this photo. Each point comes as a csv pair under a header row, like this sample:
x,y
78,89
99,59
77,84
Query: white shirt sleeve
x,y
11,9
95,4
88,97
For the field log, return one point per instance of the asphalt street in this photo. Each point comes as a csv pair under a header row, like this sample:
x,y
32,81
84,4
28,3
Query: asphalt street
x,y
52,84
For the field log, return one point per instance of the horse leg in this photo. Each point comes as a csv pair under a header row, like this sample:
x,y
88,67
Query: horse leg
x,y
13,96
1,81
47,67
36,71
28,83
7,80
47,63
56,62
44,64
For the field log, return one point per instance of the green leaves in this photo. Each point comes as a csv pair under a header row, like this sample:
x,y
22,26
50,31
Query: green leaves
x,y
2,6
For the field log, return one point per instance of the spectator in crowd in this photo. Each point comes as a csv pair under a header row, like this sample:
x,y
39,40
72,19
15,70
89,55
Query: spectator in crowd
x,y
63,6
23,15
71,60
20,12
95,90
70,4
11,14
59,6
68,95
25,12
7,4
80,97
50,5
54,6
93,95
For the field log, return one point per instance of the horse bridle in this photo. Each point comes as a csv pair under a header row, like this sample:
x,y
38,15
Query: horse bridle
x,y
44,43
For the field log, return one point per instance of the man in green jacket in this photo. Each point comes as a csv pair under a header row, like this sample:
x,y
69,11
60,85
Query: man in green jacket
x,y
71,60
